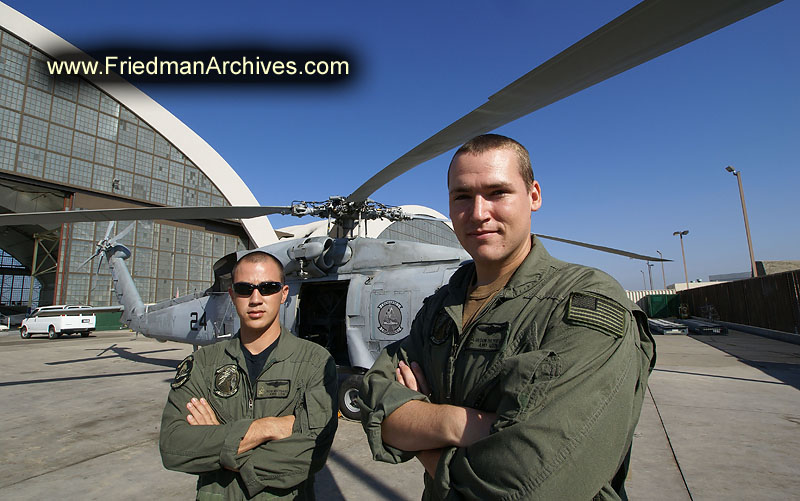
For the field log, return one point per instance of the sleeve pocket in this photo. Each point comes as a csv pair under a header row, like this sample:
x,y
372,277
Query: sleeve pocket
x,y
524,382
318,407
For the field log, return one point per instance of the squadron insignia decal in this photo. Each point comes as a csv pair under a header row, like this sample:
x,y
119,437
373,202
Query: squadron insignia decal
x,y
390,317
182,374
226,381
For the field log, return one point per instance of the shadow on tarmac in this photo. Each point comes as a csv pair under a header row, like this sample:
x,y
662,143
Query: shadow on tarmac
x,y
379,488
79,378
778,359
126,354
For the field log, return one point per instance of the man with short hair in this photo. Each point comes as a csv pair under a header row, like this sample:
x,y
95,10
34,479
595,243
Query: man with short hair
x,y
261,405
523,378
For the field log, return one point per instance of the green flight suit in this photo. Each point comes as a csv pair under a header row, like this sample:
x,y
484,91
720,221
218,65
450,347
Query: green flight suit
x,y
560,354
299,378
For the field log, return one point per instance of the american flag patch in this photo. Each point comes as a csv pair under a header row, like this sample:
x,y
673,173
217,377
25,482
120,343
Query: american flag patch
x,y
596,312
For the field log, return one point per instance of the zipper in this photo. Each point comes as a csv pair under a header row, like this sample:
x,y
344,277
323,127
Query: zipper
x,y
455,350
252,386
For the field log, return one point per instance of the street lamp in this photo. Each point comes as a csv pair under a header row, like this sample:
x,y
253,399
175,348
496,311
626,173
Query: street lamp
x,y
644,284
650,273
738,175
663,276
685,273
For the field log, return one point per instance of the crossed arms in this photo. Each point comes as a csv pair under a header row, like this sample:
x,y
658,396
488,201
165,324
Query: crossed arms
x,y
279,451
260,431
426,427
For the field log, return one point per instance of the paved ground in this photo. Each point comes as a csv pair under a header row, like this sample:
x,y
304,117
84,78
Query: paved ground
x,y
80,419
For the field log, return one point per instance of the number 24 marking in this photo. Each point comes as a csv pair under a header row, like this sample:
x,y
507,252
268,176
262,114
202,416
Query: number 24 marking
x,y
194,324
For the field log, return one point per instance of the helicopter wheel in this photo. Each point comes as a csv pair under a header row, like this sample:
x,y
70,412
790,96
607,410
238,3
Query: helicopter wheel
x,y
348,391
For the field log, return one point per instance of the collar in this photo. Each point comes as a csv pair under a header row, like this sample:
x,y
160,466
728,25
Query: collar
x,y
287,344
537,265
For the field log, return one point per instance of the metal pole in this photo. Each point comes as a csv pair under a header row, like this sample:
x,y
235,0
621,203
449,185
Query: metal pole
x,y
33,270
753,271
644,284
685,273
650,273
663,276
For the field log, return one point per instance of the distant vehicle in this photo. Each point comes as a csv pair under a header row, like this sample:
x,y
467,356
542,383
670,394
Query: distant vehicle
x,y
57,320
5,322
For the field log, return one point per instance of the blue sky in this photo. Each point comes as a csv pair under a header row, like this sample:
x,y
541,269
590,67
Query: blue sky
x,y
623,164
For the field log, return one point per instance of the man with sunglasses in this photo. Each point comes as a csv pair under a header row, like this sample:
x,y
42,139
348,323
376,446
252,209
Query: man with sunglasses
x,y
254,416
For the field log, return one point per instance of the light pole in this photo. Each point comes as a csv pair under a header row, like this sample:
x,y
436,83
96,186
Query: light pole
x,y
663,276
738,175
644,283
650,273
685,273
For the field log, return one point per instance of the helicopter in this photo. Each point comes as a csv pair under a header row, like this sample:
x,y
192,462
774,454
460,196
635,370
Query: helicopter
x,y
355,294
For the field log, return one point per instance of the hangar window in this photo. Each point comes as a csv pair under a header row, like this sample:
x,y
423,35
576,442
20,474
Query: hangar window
x,y
56,167
13,64
9,124
11,93
126,158
63,112
158,192
37,103
8,155
107,127
67,87
144,163
89,95
39,76
86,120
144,141
83,146
108,105
10,40
34,132
59,139
105,152
30,161
80,173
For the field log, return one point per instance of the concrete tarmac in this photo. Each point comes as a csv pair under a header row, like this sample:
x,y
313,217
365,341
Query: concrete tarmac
x,y
80,416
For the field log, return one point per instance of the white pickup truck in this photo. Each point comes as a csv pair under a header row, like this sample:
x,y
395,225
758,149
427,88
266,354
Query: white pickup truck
x,y
57,320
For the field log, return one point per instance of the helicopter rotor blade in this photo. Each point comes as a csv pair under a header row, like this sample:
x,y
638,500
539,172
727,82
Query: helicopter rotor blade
x,y
89,259
648,30
108,230
141,213
122,233
602,248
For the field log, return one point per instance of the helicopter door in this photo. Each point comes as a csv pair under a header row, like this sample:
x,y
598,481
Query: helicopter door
x,y
321,317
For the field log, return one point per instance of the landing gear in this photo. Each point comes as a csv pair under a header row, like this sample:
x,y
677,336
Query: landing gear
x,y
348,391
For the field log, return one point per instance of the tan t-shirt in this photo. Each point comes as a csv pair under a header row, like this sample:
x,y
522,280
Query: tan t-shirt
x,y
480,296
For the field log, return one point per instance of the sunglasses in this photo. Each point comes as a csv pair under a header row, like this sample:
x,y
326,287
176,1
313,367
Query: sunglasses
x,y
245,289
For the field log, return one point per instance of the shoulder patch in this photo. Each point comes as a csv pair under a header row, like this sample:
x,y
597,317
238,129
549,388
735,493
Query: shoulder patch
x,y
183,372
596,312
